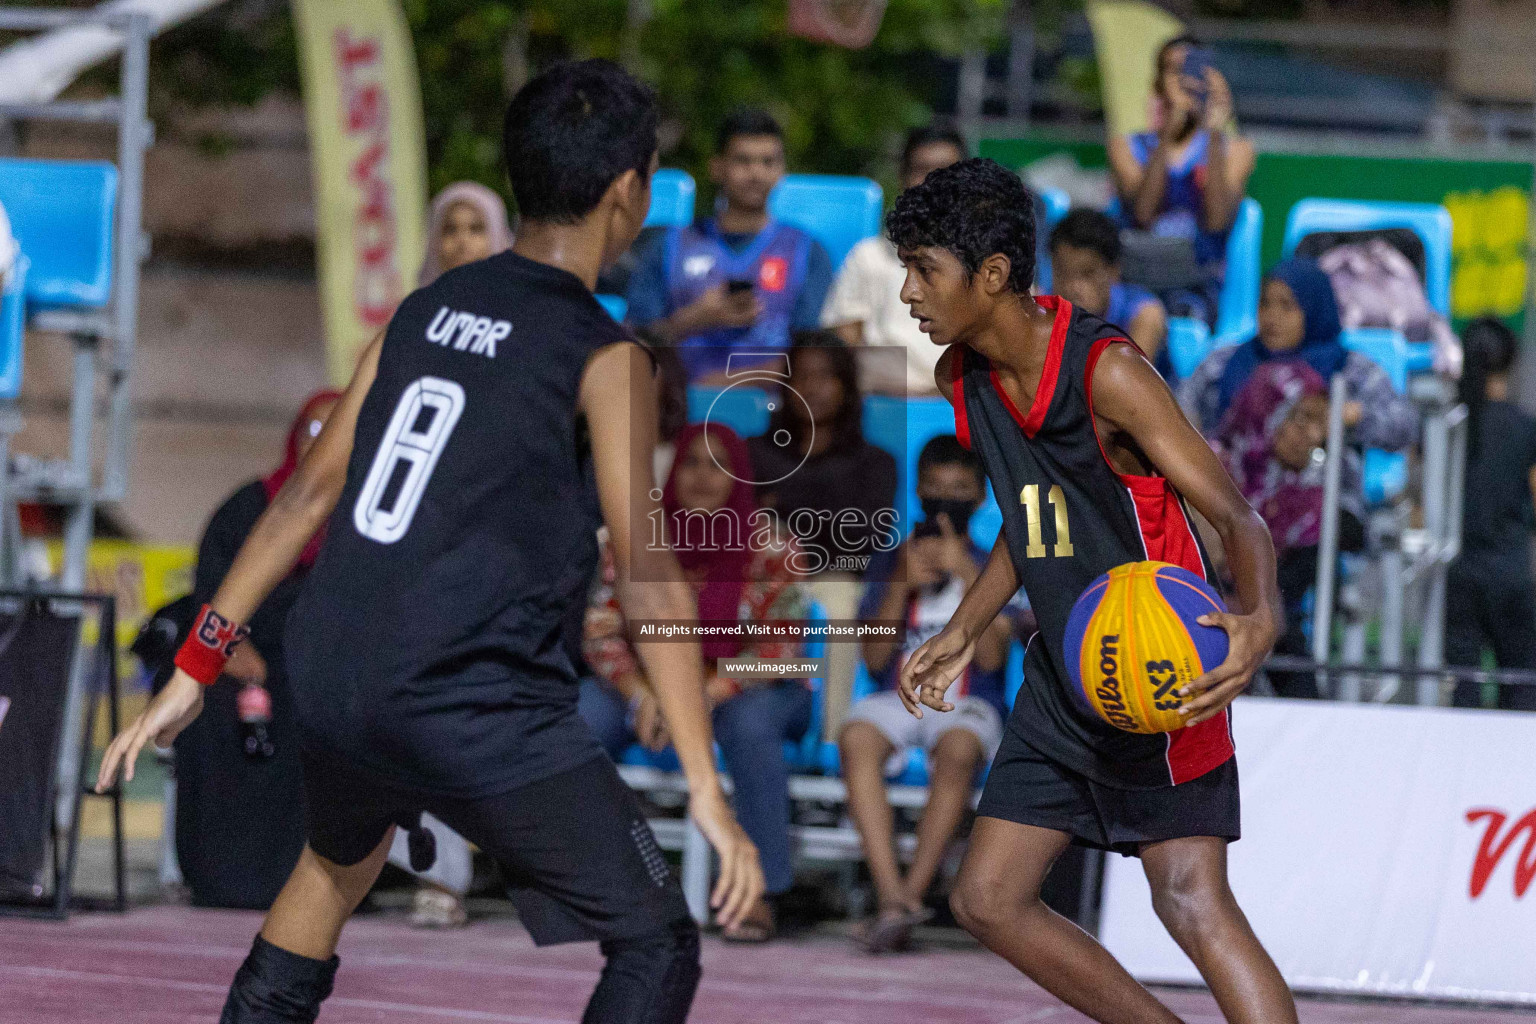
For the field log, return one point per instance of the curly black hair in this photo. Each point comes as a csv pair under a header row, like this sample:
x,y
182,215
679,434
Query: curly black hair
x,y
973,209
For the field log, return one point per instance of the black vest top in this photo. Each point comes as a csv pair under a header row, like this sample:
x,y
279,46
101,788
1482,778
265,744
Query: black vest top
x,y
428,644
1069,517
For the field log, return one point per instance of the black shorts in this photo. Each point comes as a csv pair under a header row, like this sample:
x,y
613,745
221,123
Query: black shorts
x,y
1027,787
580,862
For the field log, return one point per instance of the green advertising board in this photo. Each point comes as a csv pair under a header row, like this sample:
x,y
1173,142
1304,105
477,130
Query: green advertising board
x,y
1488,201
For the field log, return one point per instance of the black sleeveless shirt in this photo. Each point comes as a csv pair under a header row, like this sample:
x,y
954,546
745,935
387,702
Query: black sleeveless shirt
x,y
1069,517
427,646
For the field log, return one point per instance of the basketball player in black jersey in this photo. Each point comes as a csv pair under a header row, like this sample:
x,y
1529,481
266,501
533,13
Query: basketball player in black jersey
x,y
1068,416
426,650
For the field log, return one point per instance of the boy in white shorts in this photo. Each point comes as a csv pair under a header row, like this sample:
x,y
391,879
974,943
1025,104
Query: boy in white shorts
x,y
922,585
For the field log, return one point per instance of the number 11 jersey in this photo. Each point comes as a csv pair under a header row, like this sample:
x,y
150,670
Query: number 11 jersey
x,y
1068,518
426,646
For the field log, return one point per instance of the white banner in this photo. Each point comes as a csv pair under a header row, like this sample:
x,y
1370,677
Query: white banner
x,y
1387,850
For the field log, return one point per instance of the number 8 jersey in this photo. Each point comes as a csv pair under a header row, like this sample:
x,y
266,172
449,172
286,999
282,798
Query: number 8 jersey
x,y
1069,517
427,645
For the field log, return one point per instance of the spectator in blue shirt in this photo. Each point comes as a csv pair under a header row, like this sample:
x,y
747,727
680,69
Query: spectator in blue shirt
x,y
739,279
1085,270
920,584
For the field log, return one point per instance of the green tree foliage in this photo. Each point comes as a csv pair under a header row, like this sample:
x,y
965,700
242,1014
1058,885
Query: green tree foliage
x,y
843,111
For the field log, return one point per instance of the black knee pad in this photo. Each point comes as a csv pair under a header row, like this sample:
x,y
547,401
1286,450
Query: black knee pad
x,y
649,979
275,986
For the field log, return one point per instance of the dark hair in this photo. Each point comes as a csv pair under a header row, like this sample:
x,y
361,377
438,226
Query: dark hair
x,y
1091,230
946,450
848,427
747,121
671,389
1488,347
1187,39
571,132
974,208
930,135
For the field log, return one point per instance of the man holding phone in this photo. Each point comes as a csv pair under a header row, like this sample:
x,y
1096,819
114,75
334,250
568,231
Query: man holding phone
x,y
738,279
1187,176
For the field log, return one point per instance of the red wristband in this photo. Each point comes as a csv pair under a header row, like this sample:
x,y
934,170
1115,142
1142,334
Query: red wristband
x,y
208,645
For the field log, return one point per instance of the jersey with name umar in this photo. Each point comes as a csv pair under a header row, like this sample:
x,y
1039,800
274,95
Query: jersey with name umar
x,y
427,645
1069,517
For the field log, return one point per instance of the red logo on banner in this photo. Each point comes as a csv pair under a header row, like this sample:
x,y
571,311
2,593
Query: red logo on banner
x,y
365,105
1497,841
773,275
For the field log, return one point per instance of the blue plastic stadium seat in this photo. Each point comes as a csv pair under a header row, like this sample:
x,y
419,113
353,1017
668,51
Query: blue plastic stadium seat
x,y
1237,308
1385,347
61,214
742,408
616,305
1056,204
1189,342
1237,316
838,211
13,325
672,197
1430,221
901,427
1385,474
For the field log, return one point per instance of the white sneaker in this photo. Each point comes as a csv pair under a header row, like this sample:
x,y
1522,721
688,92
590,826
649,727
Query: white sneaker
x,y
434,908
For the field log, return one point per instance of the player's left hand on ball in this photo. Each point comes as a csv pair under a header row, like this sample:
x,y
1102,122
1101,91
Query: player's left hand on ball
x,y
741,881
1250,638
172,710
927,674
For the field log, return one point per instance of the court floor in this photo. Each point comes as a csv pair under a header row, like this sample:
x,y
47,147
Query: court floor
x,y
171,965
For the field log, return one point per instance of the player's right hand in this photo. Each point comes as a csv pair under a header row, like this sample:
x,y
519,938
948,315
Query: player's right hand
x,y
173,709
927,674
741,880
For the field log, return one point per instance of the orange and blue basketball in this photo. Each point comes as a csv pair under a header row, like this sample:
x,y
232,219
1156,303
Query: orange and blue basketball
x,y
1133,641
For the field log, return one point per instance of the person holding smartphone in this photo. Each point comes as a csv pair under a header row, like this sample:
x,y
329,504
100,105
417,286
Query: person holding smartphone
x,y
1186,177
738,279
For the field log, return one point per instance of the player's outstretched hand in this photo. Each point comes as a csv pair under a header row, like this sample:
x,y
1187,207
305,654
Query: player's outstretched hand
x,y
172,710
741,880
1251,637
927,674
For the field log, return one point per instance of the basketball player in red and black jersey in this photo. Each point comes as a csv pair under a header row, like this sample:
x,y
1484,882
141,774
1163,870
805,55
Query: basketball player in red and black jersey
x,y
1066,414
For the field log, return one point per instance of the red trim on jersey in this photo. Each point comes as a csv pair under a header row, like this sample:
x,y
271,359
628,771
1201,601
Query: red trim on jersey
x,y
957,386
1046,389
1168,536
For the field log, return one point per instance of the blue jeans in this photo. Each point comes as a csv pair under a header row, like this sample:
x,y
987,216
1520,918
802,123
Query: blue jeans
x,y
607,715
751,729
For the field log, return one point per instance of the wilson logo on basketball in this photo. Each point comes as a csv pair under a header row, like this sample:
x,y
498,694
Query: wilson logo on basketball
x,y
1111,700
1497,841
773,275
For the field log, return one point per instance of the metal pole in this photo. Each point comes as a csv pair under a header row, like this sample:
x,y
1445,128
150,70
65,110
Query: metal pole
x,y
82,416
1328,540
1391,617
1021,62
1527,378
1432,626
133,139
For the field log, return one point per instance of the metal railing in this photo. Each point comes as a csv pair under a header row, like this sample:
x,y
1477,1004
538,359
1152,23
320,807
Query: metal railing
x,y
1412,562
72,483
